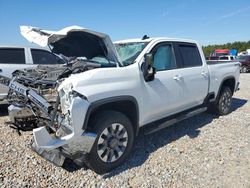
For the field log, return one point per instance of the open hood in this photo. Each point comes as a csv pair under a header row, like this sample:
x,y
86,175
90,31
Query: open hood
x,y
73,41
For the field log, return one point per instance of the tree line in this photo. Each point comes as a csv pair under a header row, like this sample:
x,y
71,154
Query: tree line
x,y
240,46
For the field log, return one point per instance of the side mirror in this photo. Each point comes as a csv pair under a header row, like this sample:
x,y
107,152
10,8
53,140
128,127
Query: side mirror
x,y
149,59
147,67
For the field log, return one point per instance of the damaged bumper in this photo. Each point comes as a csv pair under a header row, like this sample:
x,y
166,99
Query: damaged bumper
x,y
55,150
69,139
70,143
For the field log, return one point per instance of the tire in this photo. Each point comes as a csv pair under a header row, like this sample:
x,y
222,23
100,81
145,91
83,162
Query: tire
x,y
223,105
114,142
244,69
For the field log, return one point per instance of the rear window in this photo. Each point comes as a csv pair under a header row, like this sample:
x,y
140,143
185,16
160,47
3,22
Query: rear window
x,y
43,57
12,56
190,55
214,58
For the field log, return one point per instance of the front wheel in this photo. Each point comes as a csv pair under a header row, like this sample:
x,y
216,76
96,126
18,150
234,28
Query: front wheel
x,y
114,142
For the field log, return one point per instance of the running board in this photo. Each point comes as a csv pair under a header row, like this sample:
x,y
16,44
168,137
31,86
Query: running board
x,y
156,127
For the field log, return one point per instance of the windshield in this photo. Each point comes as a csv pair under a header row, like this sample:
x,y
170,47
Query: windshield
x,y
103,61
128,52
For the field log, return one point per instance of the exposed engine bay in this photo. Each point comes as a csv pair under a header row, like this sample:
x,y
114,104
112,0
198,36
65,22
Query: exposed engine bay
x,y
34,97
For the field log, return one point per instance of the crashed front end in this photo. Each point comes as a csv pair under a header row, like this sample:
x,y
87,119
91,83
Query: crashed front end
x,y
68,139
56,116
40,100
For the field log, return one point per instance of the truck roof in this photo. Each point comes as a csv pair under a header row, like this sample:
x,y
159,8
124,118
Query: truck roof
x,y
155,39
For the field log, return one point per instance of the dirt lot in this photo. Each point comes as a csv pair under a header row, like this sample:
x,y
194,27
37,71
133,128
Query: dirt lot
x,y
204,151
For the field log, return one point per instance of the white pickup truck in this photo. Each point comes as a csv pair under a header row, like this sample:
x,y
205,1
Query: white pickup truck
x,y
96,107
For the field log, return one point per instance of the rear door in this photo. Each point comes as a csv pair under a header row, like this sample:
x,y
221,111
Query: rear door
x,y
193,74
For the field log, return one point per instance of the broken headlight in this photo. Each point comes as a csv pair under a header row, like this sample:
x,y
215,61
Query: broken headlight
x,y
67,94
65,98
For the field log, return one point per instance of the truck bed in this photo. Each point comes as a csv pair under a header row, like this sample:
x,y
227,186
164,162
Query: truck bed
x,y
219,71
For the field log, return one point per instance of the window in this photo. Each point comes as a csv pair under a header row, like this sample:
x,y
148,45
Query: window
x,y
43,57
164,58
190,55
12,56
223,58
214,58
128,52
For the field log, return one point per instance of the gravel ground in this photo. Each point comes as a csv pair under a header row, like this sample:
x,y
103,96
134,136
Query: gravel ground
x,y
204,151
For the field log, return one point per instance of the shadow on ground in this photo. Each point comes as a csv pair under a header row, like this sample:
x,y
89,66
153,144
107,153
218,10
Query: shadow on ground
x,y
3,110
147,144
237,103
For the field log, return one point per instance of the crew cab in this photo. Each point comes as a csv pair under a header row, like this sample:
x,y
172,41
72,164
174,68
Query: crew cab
x,y
17,57
110,91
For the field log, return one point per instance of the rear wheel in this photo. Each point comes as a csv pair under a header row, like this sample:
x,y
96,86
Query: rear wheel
x,y
115,137
224,102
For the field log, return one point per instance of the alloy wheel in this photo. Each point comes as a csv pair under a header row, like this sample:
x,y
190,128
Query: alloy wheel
x,y
112,142
226,101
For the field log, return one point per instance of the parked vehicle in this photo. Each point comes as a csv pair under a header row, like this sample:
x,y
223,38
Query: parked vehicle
x,y
227,58
110,91
220,52
245,63
15,57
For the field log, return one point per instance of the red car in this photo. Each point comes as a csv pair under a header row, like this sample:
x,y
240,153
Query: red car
x,y
245,63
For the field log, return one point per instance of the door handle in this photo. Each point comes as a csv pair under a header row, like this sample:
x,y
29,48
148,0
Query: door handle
x,y
177,77
204,73
1,70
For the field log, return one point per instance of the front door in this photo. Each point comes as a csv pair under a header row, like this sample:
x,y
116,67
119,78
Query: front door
x,y
163,95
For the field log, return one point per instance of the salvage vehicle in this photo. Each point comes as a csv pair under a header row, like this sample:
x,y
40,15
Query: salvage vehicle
x,y
95,108
17,57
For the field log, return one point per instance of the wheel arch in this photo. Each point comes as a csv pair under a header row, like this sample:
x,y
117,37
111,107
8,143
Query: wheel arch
x,y
227,81
125,104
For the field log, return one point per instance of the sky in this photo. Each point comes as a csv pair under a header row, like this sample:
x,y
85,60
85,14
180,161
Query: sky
x,y
207,21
